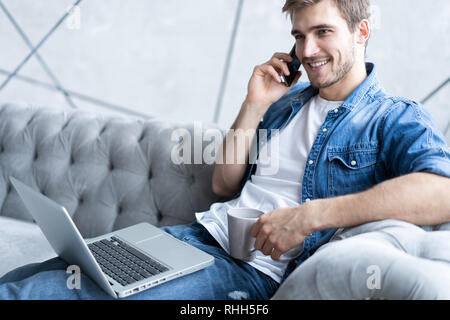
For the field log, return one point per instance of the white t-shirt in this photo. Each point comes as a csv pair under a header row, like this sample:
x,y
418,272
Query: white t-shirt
x,y
277,182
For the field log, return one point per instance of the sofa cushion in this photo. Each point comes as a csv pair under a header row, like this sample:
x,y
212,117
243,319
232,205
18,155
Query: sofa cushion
x,y
21,243
387,259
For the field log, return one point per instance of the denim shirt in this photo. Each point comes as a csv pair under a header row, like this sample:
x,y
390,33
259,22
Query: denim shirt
x,y
370,138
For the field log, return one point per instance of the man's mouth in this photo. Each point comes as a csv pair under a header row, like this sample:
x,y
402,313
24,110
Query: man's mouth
x,y
318,65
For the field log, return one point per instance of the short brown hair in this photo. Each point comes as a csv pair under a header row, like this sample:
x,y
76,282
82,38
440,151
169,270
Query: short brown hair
x,y
353,11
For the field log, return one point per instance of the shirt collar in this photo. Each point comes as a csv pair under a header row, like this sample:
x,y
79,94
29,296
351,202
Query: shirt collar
x,y
368,86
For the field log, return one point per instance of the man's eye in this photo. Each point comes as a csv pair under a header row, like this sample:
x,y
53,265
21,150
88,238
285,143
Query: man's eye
x,y
324,31
299,37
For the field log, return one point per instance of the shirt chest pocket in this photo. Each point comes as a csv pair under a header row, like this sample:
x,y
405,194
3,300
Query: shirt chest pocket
x,y
350,171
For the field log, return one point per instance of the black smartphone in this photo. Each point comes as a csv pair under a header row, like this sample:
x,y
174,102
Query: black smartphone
x,y
293,67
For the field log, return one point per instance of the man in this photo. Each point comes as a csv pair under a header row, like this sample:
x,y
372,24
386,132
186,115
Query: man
x,y
349,154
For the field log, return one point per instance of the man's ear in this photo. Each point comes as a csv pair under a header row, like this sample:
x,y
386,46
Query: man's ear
x,y
363,32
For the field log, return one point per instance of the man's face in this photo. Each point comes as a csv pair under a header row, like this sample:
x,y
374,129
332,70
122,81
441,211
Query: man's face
x,y
325,45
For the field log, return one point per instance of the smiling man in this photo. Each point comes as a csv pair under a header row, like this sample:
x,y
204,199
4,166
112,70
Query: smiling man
x,y
349,154
379,157
331,49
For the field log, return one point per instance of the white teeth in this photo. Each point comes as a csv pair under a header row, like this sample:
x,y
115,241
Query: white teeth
x,y
316,65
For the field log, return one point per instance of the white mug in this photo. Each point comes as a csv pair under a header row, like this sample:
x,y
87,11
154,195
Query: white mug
x,y
240,223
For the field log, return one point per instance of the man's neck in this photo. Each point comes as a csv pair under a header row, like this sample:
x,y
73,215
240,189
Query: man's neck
x,y
342,89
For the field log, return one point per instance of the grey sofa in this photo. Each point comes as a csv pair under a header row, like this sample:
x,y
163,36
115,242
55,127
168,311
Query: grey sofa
x,y
112,172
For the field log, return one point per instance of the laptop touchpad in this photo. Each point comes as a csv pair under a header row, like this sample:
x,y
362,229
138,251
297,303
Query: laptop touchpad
x,y
139,232
164,248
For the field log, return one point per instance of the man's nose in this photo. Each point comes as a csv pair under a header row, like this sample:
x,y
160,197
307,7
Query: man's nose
x,y
310,48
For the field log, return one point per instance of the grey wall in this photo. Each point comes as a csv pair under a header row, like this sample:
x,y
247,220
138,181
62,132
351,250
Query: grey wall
x,y
166,58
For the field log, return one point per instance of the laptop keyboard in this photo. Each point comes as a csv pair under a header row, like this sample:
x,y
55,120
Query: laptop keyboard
x,y
123,263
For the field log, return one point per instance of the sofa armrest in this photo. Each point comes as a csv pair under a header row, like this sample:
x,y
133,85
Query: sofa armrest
x,y
387,259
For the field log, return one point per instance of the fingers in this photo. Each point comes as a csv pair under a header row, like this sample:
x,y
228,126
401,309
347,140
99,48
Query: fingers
x,y
259,232
276,254
269,246
268,69
257,226
282,56
280,64
267,240
276,66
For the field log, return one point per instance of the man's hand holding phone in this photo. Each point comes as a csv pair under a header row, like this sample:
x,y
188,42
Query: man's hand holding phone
x,y
264,88
266,85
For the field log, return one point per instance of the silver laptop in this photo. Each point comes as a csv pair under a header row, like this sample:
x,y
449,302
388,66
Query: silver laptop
x,y
122,262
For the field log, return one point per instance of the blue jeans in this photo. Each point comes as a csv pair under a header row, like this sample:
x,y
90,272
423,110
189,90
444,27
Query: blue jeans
x,y
227,278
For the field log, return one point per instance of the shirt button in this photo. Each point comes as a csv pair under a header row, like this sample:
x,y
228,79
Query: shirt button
x,y
307,199
353,163
324,130
310,161
336,110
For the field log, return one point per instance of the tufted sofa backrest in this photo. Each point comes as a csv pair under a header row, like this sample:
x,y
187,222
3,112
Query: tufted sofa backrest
x,y
108,172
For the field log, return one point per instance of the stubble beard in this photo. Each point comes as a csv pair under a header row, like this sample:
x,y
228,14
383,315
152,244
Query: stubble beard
x,y
342,70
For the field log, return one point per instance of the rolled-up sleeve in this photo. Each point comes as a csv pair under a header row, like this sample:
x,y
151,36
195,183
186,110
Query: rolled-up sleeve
x,y
411,142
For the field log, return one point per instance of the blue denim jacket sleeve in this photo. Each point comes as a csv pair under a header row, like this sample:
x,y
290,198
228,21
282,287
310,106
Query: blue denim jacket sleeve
x,y
411,142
